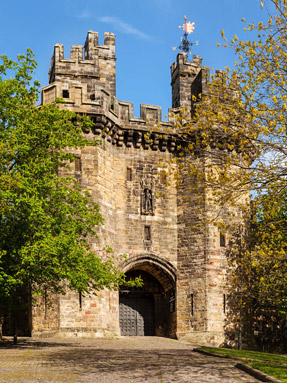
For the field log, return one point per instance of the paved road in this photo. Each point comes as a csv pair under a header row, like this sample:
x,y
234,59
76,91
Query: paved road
x,y
124,360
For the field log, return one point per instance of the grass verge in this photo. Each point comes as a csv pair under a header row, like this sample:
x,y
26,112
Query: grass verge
x,y
271,364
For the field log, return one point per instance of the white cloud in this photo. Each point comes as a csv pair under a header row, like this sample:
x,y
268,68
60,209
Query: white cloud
x,y
123,27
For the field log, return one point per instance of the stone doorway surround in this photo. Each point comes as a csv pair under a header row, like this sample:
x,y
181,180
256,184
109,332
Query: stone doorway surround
x,y
158,294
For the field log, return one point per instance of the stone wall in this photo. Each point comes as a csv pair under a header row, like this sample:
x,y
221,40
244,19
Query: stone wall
x,y
146,218
95,69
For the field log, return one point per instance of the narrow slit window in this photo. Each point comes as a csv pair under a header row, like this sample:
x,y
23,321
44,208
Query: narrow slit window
x,y
147,233
222,240
80,300
224,303
78,164
129,174
191,305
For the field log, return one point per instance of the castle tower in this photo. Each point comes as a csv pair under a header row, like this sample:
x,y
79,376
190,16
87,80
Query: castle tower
x,y
201,261
182,270
92,65
187,79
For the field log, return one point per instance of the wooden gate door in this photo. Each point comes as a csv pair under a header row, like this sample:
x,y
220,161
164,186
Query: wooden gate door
x,y
136,314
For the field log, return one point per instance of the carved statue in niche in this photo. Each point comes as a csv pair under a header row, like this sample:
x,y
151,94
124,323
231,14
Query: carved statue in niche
x,y
147,200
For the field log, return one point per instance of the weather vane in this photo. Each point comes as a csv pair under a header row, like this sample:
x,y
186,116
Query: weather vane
x,y
185,44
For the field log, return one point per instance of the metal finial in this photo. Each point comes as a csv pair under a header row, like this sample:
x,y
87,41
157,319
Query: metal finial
x,y
185,44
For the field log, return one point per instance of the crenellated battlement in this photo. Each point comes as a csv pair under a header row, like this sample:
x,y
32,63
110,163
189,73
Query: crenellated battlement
x,y
116,117
187,79
86,82
183,65
92,64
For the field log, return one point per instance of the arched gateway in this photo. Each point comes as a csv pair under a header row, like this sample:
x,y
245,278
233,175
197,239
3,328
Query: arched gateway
x,y
150,309
125,175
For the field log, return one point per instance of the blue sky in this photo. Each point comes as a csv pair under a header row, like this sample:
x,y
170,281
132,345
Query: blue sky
x,y
146,31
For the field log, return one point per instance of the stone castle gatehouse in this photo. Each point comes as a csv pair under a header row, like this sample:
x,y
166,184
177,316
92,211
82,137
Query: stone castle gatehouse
x,y
183,271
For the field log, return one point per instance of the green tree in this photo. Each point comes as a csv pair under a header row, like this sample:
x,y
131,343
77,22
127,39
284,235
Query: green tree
x,y
243,114
238,126
46,220
253,127
259,260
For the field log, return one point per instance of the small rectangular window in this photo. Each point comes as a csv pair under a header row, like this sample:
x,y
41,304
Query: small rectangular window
x,y
222,240
66,93
129,174
224,303
191,305
78,164
80,300
147,233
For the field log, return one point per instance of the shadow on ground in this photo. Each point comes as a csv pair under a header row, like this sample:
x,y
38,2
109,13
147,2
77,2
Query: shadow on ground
x,y
29,343
144,362
150,360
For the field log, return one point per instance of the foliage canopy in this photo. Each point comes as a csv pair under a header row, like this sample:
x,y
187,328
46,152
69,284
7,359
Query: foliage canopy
x,y
46,220
238,124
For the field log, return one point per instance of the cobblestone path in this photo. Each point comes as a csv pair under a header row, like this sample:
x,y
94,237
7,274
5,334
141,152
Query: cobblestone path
x,y
124,360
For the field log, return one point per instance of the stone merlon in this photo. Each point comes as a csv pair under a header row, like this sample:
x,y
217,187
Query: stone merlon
x,y
87,83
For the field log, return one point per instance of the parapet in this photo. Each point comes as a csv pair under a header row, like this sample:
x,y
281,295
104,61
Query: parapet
x,y
86,82
188,78
183,65
114,120
92,64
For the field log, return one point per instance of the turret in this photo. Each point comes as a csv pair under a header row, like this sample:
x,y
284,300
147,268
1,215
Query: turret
x,y
93,65
187,79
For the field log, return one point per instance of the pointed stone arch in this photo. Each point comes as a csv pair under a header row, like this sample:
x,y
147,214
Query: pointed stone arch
x,y
160,268
159,277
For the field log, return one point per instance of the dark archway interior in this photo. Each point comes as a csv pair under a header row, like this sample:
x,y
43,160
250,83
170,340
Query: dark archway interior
x,y
150,309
